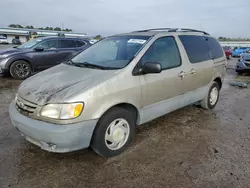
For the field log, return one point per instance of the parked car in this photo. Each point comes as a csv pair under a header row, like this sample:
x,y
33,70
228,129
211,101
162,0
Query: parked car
x,y
3,40
101,95
243,64
238,51
16,41
228,51
39,54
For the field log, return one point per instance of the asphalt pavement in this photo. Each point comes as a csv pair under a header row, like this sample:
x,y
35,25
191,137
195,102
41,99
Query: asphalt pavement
x,y
190,147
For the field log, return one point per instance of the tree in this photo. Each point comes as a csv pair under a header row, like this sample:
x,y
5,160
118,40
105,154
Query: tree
x,y
67,30
19,26
12,25
98,37
15,26
29,27
57,29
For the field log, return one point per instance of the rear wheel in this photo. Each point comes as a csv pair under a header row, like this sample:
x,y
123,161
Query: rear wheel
x,y
114,132
20,69
210,101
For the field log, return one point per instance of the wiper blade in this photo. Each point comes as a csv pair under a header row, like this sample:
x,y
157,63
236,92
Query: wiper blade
x,y
85,63
89,65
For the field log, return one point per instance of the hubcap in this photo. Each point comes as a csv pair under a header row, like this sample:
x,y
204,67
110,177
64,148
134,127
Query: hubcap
x,y
214,96
117,134
21,70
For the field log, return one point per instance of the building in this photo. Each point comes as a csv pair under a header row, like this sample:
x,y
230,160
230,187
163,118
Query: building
x,y
235,43
24,34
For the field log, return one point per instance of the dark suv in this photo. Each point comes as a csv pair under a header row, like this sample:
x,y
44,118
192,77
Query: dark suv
x,y
39,54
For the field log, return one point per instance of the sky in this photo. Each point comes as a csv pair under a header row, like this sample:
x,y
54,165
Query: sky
x,y
227,18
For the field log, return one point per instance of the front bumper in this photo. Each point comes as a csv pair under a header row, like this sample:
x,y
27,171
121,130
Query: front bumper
x,y
53,137
3,68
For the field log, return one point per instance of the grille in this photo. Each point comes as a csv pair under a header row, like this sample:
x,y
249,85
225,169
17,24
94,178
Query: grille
x,y
24,106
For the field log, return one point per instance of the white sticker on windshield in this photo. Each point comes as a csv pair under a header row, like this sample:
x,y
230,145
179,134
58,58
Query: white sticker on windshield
x,y
137,41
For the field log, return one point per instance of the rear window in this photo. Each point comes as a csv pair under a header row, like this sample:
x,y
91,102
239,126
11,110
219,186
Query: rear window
x,y
215,48
196,48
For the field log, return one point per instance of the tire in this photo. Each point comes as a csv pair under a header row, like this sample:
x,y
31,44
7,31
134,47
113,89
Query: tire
x,y
206,102
20,69
100,140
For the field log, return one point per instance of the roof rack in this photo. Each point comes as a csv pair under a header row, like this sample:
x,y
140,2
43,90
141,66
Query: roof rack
x,y
173,30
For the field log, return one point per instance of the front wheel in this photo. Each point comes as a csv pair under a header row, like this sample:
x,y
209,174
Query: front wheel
x,y
114,132
20,70
210,101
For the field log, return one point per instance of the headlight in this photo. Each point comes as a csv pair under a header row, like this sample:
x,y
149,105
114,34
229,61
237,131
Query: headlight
x,y
62,111
4,55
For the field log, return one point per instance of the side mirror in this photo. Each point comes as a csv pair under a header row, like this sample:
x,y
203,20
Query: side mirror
x,y
151,68
38,49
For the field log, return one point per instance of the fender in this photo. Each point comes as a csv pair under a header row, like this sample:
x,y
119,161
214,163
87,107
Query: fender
x,y
16,57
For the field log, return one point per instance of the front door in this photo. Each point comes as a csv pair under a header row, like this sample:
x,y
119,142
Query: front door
x,y
159,89
47,57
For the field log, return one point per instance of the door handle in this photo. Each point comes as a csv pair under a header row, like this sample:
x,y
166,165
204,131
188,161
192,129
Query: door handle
x,y
182,74
192,71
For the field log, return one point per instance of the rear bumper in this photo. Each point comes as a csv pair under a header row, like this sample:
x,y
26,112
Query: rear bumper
x,y
53,137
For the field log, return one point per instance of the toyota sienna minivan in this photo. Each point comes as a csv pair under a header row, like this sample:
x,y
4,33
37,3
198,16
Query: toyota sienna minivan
x,y
99,97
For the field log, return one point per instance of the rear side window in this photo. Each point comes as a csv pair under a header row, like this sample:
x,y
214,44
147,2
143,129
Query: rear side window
x,y
196,48
80,43
215,48
67,44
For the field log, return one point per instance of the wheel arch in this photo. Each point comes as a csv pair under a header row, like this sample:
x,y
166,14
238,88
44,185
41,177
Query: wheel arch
x,y
126,106
20,59
218,81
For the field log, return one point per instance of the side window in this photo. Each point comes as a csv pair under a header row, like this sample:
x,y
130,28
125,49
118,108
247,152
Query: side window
x,y
215,48
80,43
67,44
164,51
48,44
196,48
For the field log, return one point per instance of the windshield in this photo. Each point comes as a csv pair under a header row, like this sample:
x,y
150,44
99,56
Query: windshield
x,y
112,52
30,44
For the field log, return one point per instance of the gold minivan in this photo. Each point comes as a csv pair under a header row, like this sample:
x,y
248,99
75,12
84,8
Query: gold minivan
x,y
98,97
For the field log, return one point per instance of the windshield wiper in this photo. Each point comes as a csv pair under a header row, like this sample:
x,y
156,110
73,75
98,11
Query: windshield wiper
x,y
89,65
85,63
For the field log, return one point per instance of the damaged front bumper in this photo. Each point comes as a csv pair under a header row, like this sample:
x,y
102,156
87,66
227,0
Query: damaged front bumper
x,y
53,137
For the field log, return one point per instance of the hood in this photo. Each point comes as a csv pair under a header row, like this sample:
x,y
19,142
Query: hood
x,y
10,51
57,84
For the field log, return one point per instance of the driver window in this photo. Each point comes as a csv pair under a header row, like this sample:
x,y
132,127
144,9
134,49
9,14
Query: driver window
x,y
164,51
51,44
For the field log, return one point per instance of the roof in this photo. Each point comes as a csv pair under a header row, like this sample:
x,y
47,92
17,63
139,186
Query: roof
x,y
152,32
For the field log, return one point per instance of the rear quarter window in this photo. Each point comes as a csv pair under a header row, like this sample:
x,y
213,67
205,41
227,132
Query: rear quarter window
x,y
80,43
196,48
215,48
